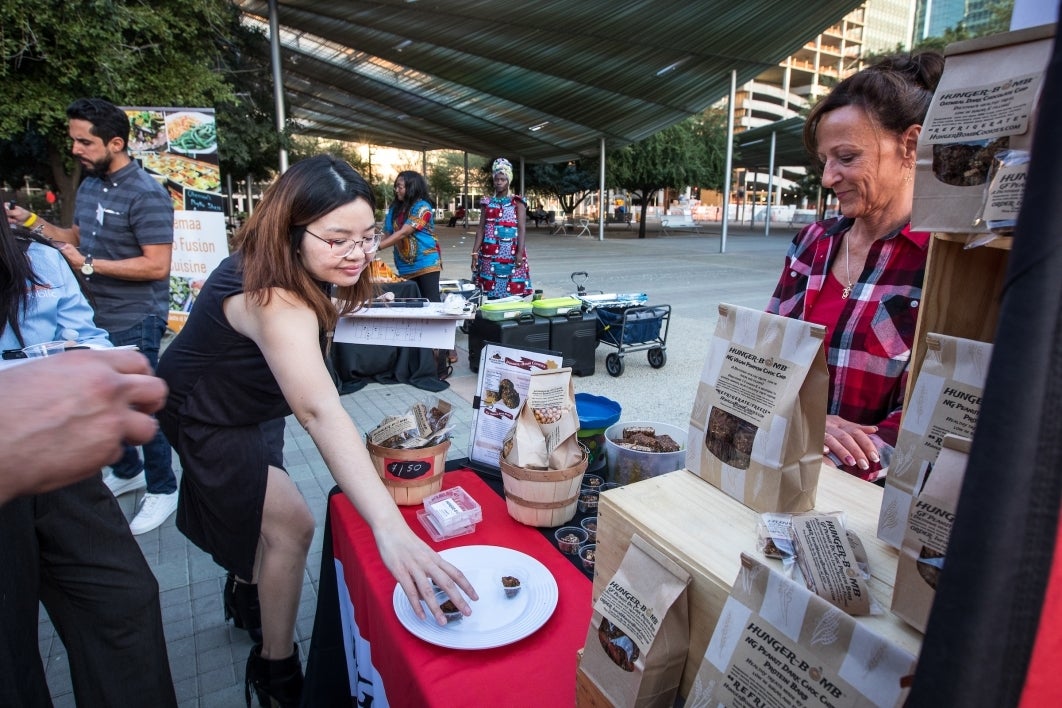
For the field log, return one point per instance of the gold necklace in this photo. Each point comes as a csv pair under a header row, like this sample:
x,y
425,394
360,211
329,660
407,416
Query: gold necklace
x,y
847,271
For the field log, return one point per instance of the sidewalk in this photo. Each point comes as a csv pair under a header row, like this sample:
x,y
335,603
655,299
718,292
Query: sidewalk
x,y
207,656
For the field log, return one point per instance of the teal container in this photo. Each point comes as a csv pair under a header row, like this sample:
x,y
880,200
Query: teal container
x,y
596,414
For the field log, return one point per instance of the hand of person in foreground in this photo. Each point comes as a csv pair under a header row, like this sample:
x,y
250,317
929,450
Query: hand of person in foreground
x,y
415,566
65,417
850,442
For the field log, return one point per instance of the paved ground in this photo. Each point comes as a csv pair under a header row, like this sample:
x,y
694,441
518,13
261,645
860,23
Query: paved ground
x,y
686,271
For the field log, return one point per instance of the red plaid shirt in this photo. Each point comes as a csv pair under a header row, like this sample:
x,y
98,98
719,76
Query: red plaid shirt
x,y
869,350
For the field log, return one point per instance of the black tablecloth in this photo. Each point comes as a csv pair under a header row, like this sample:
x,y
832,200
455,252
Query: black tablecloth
x,y
359,364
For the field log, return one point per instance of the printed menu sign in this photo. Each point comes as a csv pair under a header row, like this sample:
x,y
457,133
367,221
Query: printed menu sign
x,y
179,148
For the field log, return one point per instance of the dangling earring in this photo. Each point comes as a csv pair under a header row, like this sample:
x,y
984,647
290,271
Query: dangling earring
x,y
909,175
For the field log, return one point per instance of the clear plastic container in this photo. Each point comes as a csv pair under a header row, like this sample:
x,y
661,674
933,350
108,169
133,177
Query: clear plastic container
x,y
626,466
449,513
569,538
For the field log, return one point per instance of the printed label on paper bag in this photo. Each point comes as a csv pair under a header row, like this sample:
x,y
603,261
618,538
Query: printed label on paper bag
x,y
1005,193
981,112
776,644
828,563
628,613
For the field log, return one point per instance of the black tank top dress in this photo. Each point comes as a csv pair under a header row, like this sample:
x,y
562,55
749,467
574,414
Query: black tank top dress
x,y
225,418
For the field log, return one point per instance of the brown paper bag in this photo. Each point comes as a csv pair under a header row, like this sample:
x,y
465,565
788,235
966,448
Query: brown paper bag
x,y
986,101
639,633
928,531
778,644
545,433
759,417
946,400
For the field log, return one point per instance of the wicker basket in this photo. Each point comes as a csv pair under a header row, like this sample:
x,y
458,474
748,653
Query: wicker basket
x,y
410,475
542,497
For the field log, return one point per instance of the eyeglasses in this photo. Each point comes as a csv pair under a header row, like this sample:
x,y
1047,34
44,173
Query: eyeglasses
x,y
367,245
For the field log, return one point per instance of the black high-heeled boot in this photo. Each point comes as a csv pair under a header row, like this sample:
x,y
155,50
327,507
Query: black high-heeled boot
x,y
276,683
241,606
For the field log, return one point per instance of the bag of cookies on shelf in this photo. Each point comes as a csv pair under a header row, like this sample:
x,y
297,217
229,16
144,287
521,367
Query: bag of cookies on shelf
x,y
778,644
946,400
759,417
925,542
639,632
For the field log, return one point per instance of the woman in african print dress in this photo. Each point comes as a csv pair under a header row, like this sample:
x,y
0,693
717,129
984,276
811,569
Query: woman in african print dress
x,y
499,257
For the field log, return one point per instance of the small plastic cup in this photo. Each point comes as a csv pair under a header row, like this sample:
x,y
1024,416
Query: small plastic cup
x,y
589,525
449,608
569,538
588,497
586,555
44,349
593,481
510,583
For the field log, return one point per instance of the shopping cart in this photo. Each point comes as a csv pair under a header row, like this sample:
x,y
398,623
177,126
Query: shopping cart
x,y
627,322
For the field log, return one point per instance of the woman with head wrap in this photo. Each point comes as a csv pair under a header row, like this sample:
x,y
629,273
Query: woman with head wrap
x,y
499,257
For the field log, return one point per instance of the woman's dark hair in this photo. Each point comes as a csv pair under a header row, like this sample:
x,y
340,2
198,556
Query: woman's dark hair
x,y
271,238
416,191
108,120
895,92
15,271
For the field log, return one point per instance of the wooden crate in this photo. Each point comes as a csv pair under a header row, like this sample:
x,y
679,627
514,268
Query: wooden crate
x,y
704,530
960,294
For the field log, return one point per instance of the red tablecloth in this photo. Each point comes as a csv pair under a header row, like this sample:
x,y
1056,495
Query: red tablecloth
x,y
538,670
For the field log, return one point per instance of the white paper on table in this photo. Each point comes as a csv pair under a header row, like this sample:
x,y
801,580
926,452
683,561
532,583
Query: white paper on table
x,y
397,332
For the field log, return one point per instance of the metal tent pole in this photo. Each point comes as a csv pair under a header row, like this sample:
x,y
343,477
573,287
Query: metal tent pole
x,y
278,81
770,186
729,158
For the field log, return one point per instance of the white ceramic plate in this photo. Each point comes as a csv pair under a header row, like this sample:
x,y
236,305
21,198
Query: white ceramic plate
x,y
496,620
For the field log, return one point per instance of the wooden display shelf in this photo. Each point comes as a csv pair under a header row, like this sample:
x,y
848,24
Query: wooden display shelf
x,y
960,293
704,530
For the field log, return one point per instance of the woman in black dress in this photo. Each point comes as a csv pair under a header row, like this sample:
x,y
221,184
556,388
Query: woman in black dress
x,y
250,354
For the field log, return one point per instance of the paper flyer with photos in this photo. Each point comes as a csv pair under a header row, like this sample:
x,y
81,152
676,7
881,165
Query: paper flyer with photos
x,y
504,373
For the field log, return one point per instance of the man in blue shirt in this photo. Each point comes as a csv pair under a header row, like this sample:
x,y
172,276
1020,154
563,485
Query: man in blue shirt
x,y
121,241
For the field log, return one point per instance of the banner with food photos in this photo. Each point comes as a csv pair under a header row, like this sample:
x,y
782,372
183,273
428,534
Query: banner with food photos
x,y
179,148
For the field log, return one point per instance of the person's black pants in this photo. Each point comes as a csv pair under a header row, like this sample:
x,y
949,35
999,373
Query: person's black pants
x,y
71,550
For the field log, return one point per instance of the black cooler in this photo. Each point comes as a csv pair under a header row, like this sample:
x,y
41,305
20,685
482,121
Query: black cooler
x,y
575,336
526,331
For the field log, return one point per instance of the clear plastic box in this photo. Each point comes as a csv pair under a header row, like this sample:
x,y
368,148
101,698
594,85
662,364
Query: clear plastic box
x,y
449,513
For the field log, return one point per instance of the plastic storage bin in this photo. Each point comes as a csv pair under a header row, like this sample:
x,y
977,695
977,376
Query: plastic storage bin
x,y
596,413
552,306
626,466
505,310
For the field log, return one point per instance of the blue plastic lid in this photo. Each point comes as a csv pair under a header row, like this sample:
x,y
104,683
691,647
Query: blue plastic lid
x,y
596,411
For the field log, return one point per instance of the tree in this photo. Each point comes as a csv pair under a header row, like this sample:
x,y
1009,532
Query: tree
x,y
446,176
175,53
570,183
692,152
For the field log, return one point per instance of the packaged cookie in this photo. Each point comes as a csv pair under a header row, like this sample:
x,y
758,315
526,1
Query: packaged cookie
x,y
760,413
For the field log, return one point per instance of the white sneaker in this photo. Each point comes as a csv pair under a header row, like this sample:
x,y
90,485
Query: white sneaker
x,y
153,512
120,486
